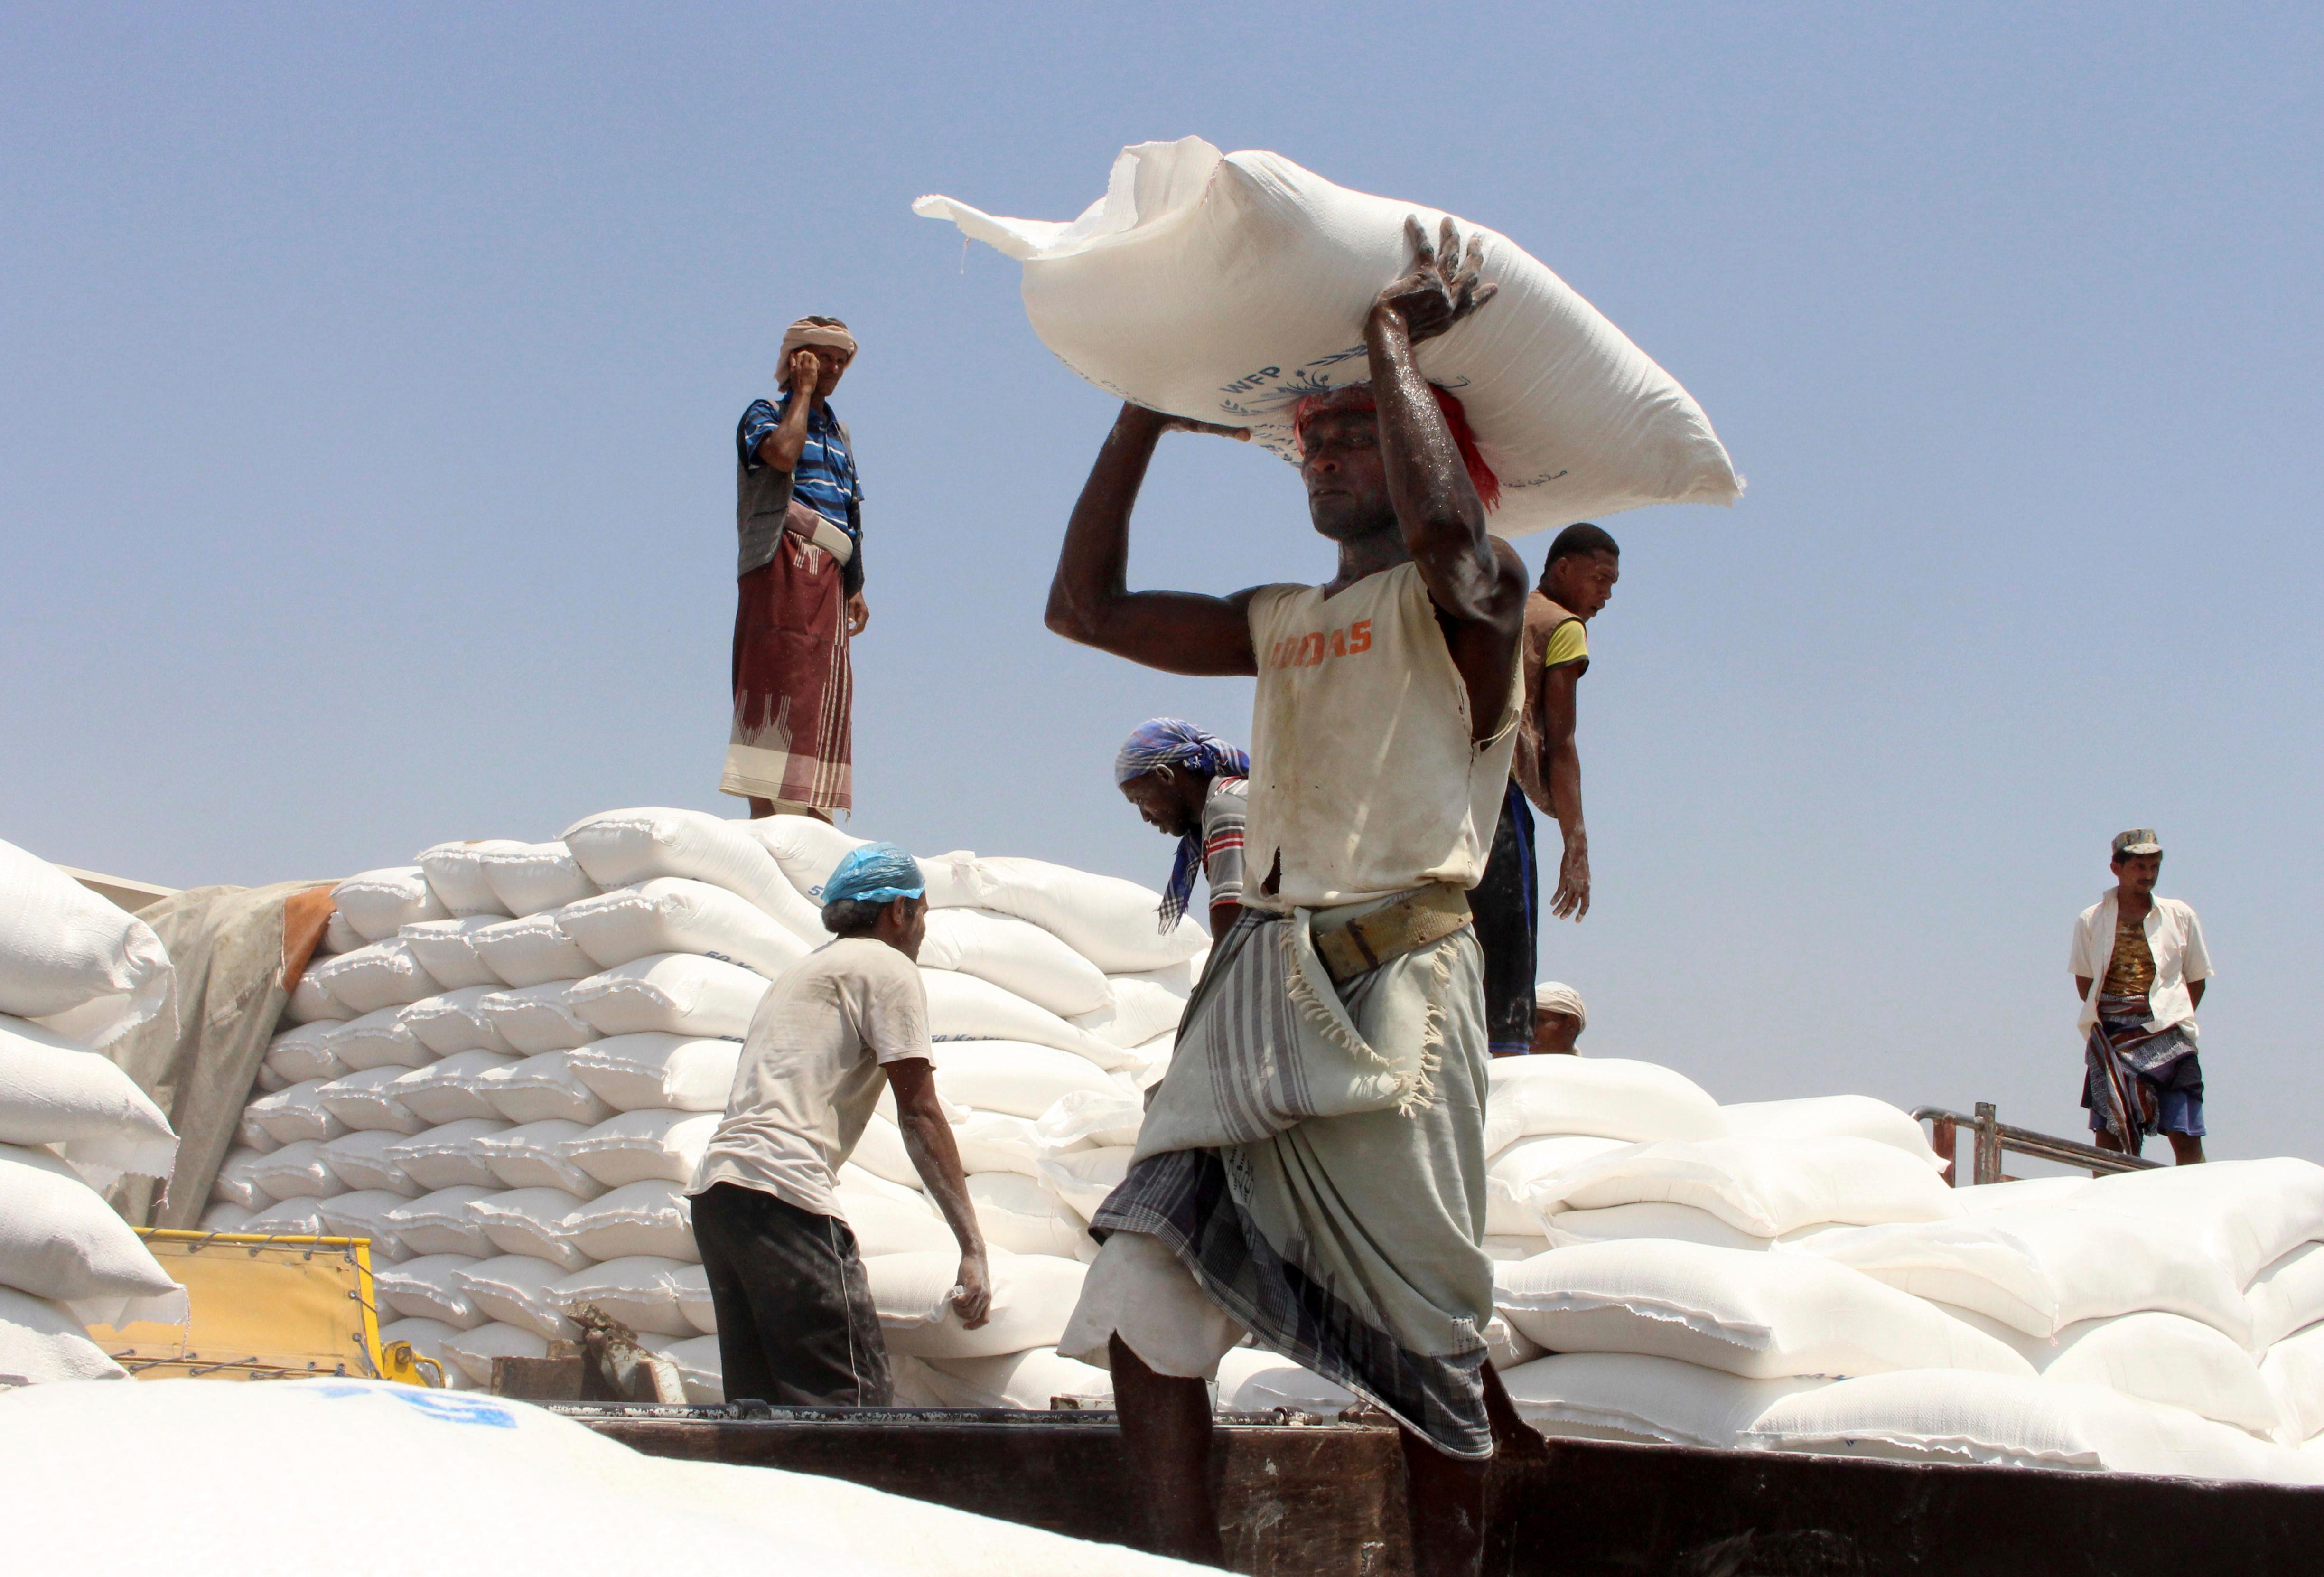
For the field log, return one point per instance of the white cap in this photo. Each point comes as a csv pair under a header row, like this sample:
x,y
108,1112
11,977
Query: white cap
x,y
1557,997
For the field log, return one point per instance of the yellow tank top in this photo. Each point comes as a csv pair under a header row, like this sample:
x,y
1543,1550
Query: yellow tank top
x,y
2131,971
1365,779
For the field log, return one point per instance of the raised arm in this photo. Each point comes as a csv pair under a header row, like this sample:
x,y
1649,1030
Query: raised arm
x,y
1477,582
781,448
1090,602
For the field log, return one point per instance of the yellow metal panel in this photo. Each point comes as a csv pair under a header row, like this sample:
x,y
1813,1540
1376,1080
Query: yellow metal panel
x,y
259,1308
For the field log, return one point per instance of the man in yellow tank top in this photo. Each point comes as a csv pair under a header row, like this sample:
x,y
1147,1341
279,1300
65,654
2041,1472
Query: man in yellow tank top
x,y
1311,1170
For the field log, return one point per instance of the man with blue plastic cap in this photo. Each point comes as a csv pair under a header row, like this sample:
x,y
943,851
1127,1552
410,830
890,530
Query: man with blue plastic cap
x,y
796,1323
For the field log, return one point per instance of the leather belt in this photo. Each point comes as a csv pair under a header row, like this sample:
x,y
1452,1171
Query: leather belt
x,y
1359,946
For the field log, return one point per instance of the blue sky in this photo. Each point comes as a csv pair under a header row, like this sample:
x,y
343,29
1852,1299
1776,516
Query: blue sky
x,y
365,438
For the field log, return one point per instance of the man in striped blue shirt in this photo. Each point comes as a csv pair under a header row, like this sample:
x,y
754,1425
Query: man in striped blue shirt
x,y
798,516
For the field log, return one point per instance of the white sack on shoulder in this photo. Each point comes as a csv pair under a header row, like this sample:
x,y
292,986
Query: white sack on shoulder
x,y
963,1007
530,878
1759,1315
673,993
68,955
1610,1098
635,1073
1950,1416
53,1091
1763,1187
1224,287
378,904
1828,1116
456,871
1020,958
679,914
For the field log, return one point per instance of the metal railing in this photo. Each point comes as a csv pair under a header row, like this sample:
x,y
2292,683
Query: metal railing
x,y
1995,1137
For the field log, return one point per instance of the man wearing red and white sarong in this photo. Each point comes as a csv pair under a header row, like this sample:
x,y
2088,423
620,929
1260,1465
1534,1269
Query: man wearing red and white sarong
x,y
798,512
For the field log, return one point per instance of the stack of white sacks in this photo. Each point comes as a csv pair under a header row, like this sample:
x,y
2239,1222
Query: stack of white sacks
x,y
76,973
1796,1275
507,1065
506,1069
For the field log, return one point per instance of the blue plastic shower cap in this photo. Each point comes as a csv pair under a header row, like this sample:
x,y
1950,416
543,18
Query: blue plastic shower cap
x,y
876,873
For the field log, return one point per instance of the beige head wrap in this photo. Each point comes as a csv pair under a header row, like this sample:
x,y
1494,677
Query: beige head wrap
x,y
805,332
1556,997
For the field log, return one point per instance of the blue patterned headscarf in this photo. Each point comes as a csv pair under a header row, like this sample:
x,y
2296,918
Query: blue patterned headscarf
x,y
1160,742
876,872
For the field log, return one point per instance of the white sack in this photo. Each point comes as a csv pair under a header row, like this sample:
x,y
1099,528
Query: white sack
x,y
1106,920
1033,1296
386,974
296,1218
68,955
807,848
672,993
428,1339
455,1022
309,1004
1082,1178
441,1222
633,1072
293,1171
221,1217
59,1240
235,1183
634,1147
884,1224
250,1134
1252,1380
53,1091
620,848
1506,1346
1610,1097
530,878
1019,1214
338,936
2286,1296
360,1160
266,1080
304,1052
1140,1011
677,915
379,903
650,1218
40,1342
1224,286
379,1039
2245,1214
520,1292
451,1156
2294,1370
1615,1223
452,1090
1763,1316
963,1007
694,1302
534,1019
1984,1198
698,1366
1013,1077
1090,1119
1511,1173
473,1350
457,872
365,1213
531,1222
1031,1380
539,1089
2038,1268
532,1155
1763,1187
295,1113
1937,1415
1634,1397
641,1290
366,1101
447,950
530,952
1829,1115
1020,958
2171,1359
880,1152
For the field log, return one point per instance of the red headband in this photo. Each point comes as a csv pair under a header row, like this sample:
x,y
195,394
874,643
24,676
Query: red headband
x,y
1456,422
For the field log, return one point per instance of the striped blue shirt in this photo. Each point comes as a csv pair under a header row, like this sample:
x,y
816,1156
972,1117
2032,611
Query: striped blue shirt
x,y
824,478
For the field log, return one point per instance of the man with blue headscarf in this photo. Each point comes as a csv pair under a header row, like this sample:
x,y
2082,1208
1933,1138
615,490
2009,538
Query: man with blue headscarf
x,y
1191,785
796,1323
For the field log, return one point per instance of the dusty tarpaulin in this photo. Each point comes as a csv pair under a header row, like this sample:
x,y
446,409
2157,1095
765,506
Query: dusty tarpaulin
x,y
238,951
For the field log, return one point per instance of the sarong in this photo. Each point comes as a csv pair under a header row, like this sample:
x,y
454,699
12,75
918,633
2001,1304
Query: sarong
x,y
794,686
1316,1159
2129,1073
1507,906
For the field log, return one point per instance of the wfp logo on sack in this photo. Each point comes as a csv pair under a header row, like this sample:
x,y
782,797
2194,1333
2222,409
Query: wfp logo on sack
x,y
444,1407
1310,650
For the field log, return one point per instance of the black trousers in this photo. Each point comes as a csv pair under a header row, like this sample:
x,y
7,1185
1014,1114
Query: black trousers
x,y
1506,904
795,1324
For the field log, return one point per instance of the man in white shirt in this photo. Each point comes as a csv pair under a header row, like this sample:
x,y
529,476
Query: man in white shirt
x,y
796,1323
2140,967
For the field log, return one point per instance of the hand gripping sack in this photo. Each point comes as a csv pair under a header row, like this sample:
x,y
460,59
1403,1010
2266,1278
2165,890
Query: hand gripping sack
x,y
1224,287
69,956
1033,1296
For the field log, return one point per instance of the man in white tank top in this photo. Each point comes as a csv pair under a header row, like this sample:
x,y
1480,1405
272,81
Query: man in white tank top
x,y
1312,1168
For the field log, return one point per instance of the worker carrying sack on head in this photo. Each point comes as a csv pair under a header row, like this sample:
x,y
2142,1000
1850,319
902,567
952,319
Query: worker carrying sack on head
x,y
1312,1168
796,1323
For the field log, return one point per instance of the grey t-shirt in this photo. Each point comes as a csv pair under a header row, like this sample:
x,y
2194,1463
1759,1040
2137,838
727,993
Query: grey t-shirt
x,y
811,1070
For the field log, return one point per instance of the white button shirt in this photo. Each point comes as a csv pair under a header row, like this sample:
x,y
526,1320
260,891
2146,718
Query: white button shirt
x,y
2173,936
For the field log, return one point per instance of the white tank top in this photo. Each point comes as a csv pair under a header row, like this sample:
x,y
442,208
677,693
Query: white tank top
x,y
1365,777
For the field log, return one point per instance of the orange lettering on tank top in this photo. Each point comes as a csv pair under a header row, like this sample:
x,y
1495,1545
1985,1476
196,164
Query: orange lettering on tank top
x,y
1313,648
